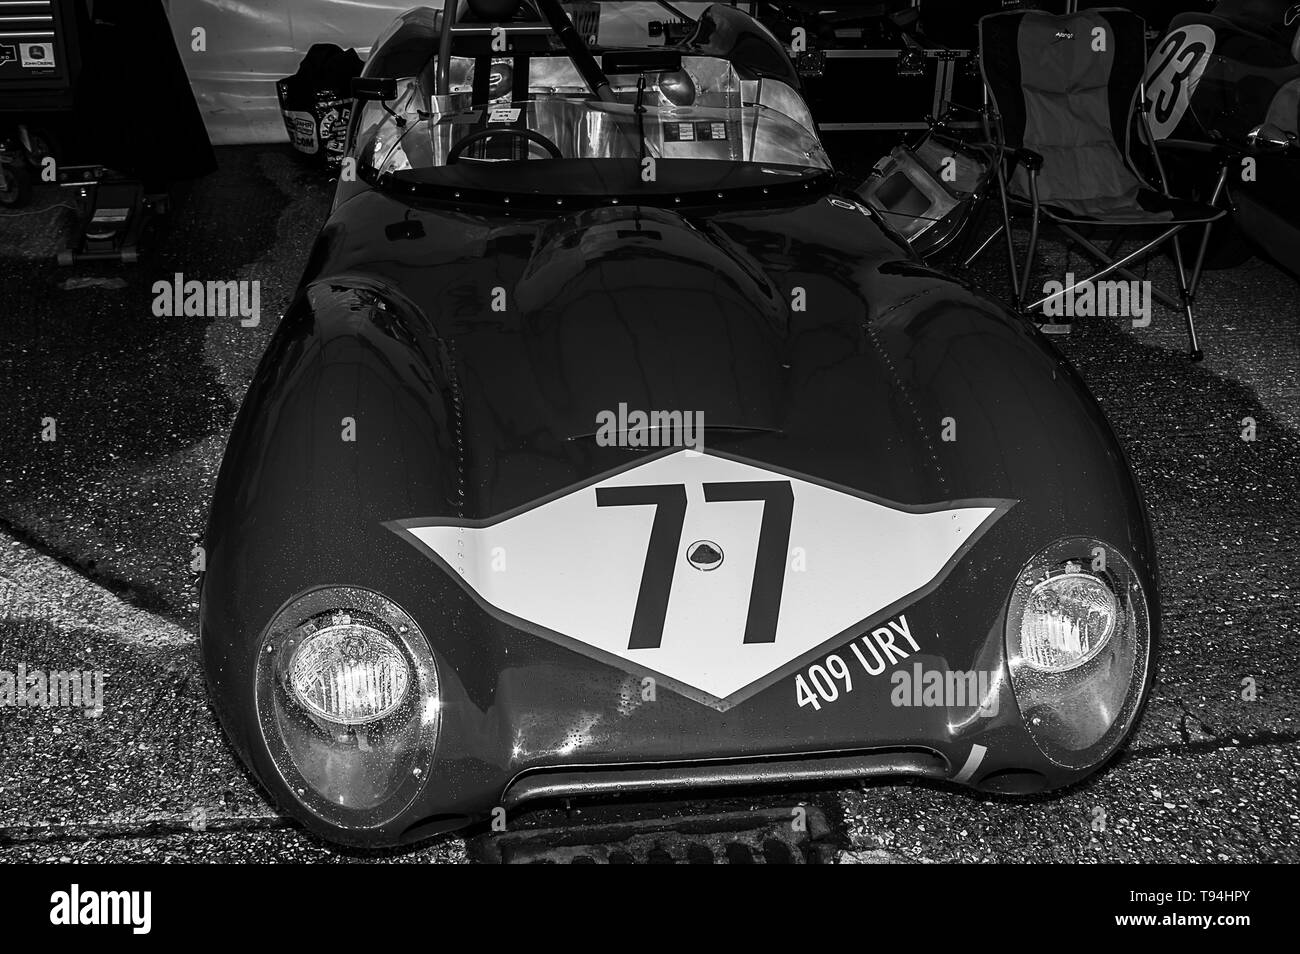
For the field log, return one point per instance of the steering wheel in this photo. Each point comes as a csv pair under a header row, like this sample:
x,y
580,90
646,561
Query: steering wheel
x,y
475,137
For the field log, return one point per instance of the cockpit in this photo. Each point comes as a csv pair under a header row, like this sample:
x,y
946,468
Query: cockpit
x,y
524,92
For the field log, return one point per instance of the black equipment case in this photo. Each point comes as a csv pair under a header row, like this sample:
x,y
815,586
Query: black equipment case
x,y
40,56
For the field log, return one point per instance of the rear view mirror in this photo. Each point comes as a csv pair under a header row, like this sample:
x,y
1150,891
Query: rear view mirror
x,y
1270,138
367,89
494,11
658,60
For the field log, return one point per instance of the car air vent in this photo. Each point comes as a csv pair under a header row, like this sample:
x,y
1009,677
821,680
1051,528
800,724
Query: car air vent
x,y
795,835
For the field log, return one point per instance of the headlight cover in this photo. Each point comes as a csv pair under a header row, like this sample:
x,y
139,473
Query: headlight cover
x,y
1066,621
1078,642
348,704
348,672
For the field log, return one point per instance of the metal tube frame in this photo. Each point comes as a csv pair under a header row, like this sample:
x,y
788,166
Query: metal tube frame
x,y
1187,284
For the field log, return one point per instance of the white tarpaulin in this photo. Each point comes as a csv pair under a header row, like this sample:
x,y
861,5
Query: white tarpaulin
x,y
252,43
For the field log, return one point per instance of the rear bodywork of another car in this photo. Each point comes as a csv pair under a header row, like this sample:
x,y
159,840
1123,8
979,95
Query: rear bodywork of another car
x,y
558,480
1225,93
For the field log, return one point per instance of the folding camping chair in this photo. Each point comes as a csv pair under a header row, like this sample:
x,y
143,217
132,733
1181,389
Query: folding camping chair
x,y
1062,91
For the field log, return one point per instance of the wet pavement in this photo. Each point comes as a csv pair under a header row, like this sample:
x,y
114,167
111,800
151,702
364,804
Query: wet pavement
x,y
97,530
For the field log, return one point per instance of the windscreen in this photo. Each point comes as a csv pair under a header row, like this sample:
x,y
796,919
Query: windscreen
x,y
534,109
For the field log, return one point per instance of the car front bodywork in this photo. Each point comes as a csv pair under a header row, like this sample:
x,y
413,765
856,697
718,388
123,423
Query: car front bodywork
x,y
887,464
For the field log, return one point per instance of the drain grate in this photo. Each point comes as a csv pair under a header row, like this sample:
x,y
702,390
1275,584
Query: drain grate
x,y
796,835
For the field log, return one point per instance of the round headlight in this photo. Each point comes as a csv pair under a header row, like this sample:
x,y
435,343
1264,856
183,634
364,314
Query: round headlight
x,y
1066,621
1078,644
349,703
349,673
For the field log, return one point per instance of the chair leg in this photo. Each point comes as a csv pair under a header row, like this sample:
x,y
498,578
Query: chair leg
x,y
1036,210
1006,230
1135,255
1205,238
1201,251
1106,259
1184,289
1023,292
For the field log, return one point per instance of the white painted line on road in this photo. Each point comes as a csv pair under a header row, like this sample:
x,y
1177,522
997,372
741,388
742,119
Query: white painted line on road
x,y
35,586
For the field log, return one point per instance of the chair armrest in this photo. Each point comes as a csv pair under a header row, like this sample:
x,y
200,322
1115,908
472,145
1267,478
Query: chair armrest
x,y
1031,160
973,110
1223,151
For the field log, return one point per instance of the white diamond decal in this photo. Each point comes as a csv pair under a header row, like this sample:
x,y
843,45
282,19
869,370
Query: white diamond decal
x,y
715,573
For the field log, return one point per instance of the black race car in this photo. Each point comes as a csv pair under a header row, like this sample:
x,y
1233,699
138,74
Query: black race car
x,y
610,444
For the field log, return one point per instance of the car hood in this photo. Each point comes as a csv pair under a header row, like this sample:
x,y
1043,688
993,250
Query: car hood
x,y
476,354
773,322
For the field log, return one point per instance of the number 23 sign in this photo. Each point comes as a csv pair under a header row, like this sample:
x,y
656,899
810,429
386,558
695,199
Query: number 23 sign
x,y
1173,73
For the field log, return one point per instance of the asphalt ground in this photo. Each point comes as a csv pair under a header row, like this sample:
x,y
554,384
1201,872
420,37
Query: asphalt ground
x,y
97,528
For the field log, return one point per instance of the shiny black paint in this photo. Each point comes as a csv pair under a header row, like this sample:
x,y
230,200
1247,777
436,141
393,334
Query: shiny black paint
x,y
465,412
1229,101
